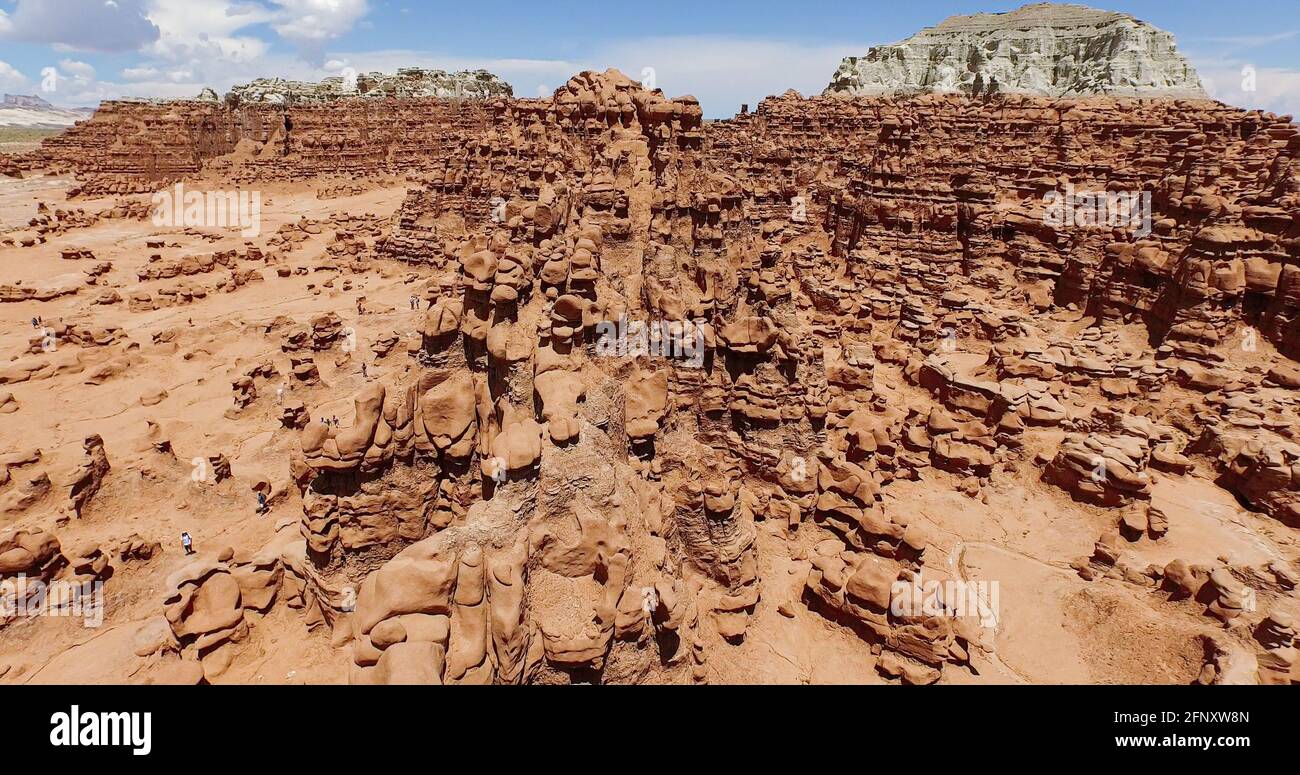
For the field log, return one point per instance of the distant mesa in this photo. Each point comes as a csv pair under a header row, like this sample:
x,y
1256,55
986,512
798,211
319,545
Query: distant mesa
x,y
32,112
1046,49
26,101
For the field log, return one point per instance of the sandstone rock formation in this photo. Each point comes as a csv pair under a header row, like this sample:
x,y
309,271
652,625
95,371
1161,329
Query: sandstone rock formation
x,y
586,389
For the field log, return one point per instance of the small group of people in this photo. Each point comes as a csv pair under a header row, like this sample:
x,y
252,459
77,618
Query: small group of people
x,y
37,322
330,421
415,302
263,507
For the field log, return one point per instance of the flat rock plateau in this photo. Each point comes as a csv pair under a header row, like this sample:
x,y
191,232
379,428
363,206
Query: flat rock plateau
x,y
585,389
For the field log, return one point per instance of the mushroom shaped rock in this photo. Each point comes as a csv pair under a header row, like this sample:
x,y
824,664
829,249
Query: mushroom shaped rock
x,y
566,316
480,267
443,318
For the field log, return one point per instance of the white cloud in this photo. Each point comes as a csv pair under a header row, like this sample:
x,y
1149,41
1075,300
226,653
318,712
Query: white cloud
x,y
83,25
74,69
311,24
1275,89
205,32
140,73
11,80
201,36
206,44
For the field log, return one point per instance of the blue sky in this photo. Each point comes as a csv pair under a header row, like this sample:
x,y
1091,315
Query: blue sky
x,y
725,53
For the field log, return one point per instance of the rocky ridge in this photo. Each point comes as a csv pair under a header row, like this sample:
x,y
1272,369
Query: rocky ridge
x,y
406,83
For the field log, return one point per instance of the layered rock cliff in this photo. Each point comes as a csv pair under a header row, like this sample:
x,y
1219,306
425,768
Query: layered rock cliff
x,y
1046,49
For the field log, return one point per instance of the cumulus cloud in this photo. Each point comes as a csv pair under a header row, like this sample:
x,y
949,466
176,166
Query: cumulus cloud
x,y
74,69
312,24
11,80
206,32
84,25
202,35
210,44
213,43
140,73
1244,85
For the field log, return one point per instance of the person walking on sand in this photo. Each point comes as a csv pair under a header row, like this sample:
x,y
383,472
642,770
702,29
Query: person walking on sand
x,y
262,507
187,543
